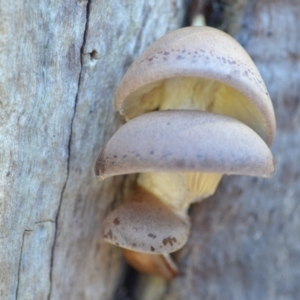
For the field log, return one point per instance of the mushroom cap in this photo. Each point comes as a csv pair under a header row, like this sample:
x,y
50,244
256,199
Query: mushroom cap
x,y
185,140
200,52
147,225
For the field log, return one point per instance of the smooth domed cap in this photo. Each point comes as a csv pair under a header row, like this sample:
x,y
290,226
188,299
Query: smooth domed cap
x,y
185,140
202,52
147,225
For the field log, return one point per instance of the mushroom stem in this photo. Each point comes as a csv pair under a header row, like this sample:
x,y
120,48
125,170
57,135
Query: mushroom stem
x,y
178,190
160,265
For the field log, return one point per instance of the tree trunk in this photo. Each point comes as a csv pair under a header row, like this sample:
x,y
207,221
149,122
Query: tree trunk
x,y
245,239
60,63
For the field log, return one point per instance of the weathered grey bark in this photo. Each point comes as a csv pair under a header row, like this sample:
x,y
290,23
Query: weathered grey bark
x,y
245,240
60,63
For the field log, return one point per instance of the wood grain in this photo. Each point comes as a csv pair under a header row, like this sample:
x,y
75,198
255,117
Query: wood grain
x,y
60,64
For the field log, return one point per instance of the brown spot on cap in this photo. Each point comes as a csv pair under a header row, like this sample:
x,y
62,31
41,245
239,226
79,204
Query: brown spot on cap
x,y
152,235
169,240
152,249
108,234
100,164
116,221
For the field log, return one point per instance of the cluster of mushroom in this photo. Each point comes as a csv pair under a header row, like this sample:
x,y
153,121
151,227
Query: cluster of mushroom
x,y
197,108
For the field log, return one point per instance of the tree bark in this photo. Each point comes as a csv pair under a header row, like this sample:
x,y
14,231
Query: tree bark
x,y
60,64
245,239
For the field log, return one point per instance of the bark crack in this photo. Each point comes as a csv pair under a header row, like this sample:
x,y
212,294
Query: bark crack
x,y
20,261
44,221
69,146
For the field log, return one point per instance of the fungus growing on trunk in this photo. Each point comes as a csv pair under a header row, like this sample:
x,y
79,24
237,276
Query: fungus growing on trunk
x,y
213,116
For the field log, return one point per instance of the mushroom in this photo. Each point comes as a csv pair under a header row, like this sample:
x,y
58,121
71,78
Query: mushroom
x,y
147,224
198,68
213,116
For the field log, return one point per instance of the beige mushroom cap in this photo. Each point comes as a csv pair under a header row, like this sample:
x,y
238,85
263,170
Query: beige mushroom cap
x,y
185,140
200,52
147,225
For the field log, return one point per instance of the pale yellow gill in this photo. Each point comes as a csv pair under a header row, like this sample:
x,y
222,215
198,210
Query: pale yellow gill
x,y
181,189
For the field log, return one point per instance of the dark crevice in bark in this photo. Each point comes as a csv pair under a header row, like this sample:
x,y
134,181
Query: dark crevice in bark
x,y
20,261
69,146
186,18
213,11
127,290
248,24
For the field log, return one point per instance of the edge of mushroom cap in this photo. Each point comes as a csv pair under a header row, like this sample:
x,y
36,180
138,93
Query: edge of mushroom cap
x,y
185,140
172,56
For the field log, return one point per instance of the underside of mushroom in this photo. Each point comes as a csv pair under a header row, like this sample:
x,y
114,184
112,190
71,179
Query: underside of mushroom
x,y
196,93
